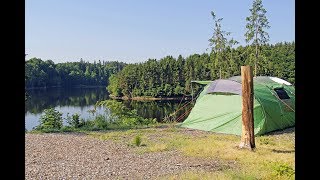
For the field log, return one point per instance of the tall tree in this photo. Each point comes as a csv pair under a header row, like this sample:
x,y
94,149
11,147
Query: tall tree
x,y
256,25
218,41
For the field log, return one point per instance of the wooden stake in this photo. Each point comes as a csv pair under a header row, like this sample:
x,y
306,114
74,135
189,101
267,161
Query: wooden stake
x,y
247,137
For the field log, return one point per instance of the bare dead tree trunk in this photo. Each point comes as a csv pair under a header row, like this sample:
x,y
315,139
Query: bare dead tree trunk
x,y
247,137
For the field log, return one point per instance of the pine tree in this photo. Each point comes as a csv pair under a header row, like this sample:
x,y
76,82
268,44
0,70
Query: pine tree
x,y
256,25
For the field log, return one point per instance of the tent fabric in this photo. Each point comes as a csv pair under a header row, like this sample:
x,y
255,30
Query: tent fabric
x,y
221,113
223,85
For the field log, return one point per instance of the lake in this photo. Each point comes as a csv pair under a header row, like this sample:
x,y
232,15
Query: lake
x,y
80,100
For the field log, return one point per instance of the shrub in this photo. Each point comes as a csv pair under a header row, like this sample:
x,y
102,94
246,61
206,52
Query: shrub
x,y
74,120
51,120
100,122
137,140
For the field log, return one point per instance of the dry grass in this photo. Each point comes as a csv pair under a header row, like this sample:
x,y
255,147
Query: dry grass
x,y
199,175
273,158
268,161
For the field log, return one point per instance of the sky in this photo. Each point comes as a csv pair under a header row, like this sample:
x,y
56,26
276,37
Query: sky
x,y
135,30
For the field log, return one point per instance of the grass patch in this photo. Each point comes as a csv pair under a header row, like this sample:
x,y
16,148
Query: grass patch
x,y
265,141
121,135
252,163
158,148
164,141
204,175
282,169
273,158
197,175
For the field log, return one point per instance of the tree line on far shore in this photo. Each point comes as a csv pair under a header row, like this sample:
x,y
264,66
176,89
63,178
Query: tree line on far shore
x,y
171,76
166,77
40,73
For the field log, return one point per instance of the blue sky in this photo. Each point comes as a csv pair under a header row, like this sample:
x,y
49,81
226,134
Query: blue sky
x,y
135,30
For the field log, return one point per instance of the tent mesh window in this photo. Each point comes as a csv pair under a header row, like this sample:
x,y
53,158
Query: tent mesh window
x,y
282,94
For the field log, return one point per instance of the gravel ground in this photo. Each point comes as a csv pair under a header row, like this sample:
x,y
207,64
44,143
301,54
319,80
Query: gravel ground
x,y
78,156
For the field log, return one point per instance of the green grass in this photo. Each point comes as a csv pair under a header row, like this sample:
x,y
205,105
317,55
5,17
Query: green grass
x,y
204,175
273,158
137,140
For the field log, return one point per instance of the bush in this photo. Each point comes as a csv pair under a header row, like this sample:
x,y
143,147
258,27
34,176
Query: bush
x,y
74,120
51,120
100,122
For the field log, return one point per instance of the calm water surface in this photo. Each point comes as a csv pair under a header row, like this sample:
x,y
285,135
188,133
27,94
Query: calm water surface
x,y
80,100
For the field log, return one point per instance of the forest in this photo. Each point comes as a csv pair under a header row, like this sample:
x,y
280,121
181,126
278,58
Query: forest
x,y
166,77
39,73
171,76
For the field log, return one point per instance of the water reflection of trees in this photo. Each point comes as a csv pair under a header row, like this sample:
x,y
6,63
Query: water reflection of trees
x,y
47,98
41,99
157,109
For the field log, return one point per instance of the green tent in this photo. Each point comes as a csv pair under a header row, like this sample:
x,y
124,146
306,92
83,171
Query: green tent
x,y
219,106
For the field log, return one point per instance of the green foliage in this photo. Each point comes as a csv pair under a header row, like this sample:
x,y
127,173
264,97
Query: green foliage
x,y
74,120
220,43
123,116
167,77
137,140
282,169
68,129
114,88
39,73
100,122
170,77
256,25
120,117
50,120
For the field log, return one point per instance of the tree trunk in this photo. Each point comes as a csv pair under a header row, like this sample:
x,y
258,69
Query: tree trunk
x,y
220,72
257,44
247,137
